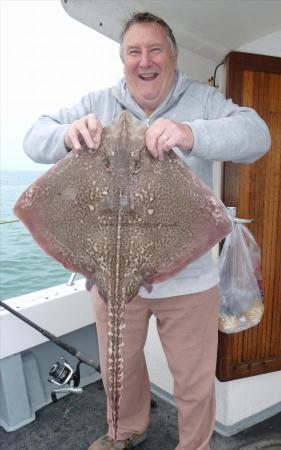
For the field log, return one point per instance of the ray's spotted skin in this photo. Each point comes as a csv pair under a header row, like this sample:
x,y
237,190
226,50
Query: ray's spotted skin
x,y
124,220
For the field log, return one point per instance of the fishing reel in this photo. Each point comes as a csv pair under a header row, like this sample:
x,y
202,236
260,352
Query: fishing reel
x,y
62,373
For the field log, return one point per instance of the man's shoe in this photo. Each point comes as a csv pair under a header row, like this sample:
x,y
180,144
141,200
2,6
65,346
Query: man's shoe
x,y
107,443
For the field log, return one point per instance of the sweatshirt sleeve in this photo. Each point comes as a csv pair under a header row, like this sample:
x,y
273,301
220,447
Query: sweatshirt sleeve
x,y
44,141
229,132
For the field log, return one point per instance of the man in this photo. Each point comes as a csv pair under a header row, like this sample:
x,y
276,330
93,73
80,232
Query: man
x,y
201,126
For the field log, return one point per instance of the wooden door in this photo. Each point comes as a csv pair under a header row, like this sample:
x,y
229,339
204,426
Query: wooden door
x,y
255,189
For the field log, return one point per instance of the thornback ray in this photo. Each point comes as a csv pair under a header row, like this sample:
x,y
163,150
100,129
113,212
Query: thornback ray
x,y
124,220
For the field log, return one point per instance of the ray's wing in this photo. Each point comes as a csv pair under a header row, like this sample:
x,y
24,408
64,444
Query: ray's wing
x,y
62,210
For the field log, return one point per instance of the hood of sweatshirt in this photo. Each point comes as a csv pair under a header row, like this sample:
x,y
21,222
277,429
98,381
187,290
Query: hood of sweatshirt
x,y
123,96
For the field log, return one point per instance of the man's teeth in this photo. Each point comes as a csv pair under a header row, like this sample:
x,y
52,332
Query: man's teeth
x,y
148,76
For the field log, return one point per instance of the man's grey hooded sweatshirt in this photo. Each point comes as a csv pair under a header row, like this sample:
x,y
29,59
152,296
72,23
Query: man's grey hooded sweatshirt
x,y
222,131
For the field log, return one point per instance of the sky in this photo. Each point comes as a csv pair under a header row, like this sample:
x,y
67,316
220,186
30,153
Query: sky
x,y
48,61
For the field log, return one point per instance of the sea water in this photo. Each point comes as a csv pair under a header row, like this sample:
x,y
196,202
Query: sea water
x,y
24,267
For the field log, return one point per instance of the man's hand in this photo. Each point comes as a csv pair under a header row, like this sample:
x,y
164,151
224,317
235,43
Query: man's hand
x,y
84,132
165,134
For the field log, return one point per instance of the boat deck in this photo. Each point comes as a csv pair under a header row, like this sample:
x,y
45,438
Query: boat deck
x,y
75,421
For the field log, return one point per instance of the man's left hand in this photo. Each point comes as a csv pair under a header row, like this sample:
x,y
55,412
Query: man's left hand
x,y
164,134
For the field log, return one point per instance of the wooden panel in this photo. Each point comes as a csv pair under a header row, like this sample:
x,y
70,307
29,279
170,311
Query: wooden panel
x,y
255,190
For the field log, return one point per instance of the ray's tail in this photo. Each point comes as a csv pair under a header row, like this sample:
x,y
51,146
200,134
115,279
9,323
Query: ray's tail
x,y
115,360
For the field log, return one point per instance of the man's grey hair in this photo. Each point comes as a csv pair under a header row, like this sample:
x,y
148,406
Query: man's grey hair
x,y
147,17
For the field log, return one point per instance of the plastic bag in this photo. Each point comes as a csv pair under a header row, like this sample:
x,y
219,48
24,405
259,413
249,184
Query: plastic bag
x,y
241,296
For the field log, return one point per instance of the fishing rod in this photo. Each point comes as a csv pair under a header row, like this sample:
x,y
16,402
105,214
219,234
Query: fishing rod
x,y
61,372
4,222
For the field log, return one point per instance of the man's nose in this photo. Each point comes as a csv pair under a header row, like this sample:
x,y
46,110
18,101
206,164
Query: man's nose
x,y
145,60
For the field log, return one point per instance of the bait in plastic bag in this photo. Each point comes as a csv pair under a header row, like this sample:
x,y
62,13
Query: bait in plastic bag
x,y
241,296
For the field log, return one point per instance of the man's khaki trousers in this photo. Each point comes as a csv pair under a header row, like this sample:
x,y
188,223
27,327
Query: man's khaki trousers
x,y
188,330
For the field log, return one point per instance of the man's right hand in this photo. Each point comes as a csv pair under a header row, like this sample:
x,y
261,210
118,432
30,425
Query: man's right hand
x,y
85,132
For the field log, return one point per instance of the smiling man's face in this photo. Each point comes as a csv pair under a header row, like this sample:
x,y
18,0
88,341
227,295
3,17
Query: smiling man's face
x,y
149,64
